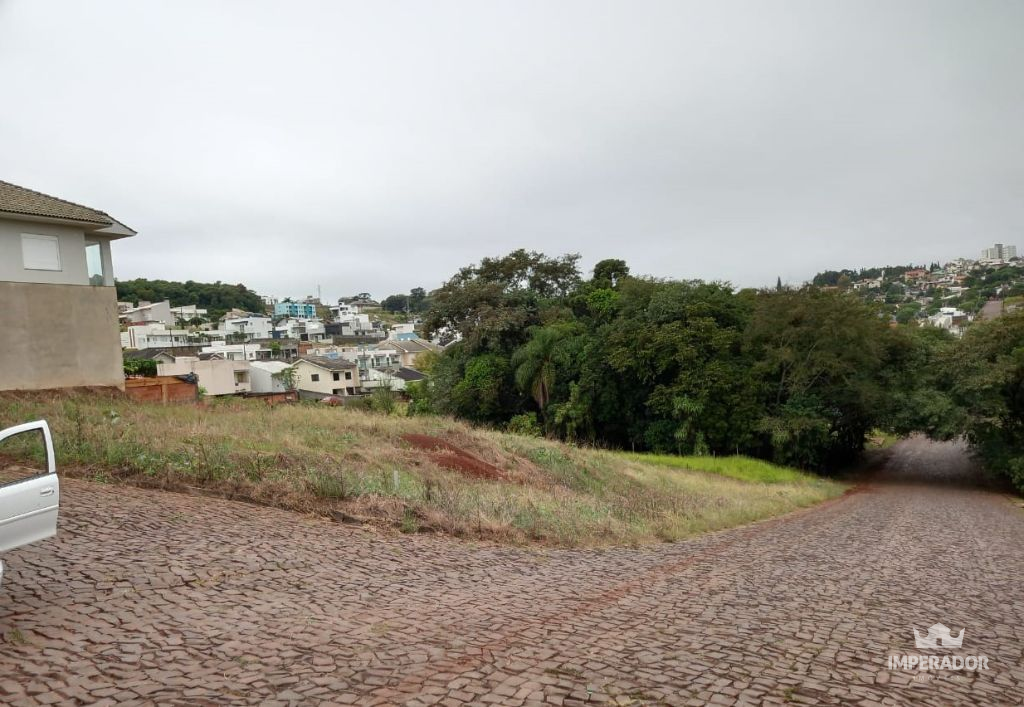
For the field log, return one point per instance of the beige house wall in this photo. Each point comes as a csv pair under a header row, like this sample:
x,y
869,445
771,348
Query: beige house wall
x,y
304,372
59,336
216,376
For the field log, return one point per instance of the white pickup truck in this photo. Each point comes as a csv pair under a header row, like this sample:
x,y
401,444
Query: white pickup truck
x,y
29,490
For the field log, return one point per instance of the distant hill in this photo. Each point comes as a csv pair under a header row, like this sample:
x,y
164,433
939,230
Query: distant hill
x,y
831,278
214,296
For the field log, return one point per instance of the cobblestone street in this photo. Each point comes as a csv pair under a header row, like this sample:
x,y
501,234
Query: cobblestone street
x,y
154,597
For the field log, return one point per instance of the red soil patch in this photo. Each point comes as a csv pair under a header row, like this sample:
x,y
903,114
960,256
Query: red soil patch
x,y
447,455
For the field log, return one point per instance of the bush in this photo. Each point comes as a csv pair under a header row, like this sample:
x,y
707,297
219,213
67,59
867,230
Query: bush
x,y
139,367
525,424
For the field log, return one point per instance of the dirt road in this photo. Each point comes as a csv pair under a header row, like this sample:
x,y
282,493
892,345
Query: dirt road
x,y
161,598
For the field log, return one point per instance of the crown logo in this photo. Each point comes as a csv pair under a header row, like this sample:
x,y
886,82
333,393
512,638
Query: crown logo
x,y
938,635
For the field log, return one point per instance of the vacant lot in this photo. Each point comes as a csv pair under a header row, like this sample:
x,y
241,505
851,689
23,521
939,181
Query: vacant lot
x,y
413,474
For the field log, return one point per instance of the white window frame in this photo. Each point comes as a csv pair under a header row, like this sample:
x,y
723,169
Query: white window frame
x,y
26,237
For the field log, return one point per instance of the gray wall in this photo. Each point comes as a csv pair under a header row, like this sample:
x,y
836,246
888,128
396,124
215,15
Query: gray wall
x,y
58,336
72,254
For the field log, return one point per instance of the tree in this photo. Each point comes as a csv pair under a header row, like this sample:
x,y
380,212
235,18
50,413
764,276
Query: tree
x,y
494,303
288,377
819,357
610,271
987,383
534,363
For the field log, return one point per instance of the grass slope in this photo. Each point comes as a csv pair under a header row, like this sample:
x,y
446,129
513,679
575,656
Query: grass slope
x,y
736,467
319,459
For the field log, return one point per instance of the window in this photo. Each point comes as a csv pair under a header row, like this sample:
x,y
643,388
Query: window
x,y
337,376
338,391
94,263
315,377
40,252
348,375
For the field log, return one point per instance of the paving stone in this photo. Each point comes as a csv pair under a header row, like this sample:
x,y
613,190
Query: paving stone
x,y
243,604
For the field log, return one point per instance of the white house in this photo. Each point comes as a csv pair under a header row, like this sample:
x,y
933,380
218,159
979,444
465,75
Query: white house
x,y
148,336
236,352
252,326
951,319
301,329
266,376
188,312
59,312
149,313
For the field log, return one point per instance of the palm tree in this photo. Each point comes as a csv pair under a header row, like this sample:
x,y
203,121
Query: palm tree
x,y
534,363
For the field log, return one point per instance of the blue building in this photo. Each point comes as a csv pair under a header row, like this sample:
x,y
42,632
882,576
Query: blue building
x,y
295,309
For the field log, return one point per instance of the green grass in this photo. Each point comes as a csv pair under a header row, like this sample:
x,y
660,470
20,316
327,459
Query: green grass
x,y
320,459
735,467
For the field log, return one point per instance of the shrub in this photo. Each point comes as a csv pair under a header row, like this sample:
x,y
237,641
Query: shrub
x,y
525,424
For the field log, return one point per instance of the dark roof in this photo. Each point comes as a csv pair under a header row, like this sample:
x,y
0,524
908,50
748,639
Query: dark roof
x,y
330,364
409,375
19,200
152,352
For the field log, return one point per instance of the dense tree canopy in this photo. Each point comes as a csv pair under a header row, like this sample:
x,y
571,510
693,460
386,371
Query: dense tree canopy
x,y
799,376
216,297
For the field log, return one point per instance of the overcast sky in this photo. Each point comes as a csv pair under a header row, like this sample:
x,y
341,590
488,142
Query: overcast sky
x,y
378,146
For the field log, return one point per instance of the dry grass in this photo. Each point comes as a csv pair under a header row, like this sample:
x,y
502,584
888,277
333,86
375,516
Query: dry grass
x,y
354,464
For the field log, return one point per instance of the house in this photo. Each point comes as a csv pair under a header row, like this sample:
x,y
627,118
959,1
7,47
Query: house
x,y
319,376
951,319
295,309
145,336
150,313
236,352
253,326
188,313
301,329
266,376
391,379
217,376
59,313
409,350
164,354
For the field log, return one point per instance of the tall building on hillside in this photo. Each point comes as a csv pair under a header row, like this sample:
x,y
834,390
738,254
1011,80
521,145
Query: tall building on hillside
x,y
999,252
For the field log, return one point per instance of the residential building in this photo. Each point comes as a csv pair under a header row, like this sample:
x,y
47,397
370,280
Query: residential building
x,y
253,326
295,309
408,350
150,313
951,319
319,376
301,329
59,313
236,352
164,354
217,376
188,313
266,376
391,379
999,252
146,336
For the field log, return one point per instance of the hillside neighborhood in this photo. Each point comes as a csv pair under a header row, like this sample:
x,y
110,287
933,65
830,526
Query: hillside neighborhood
x,y
511,354
948,296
